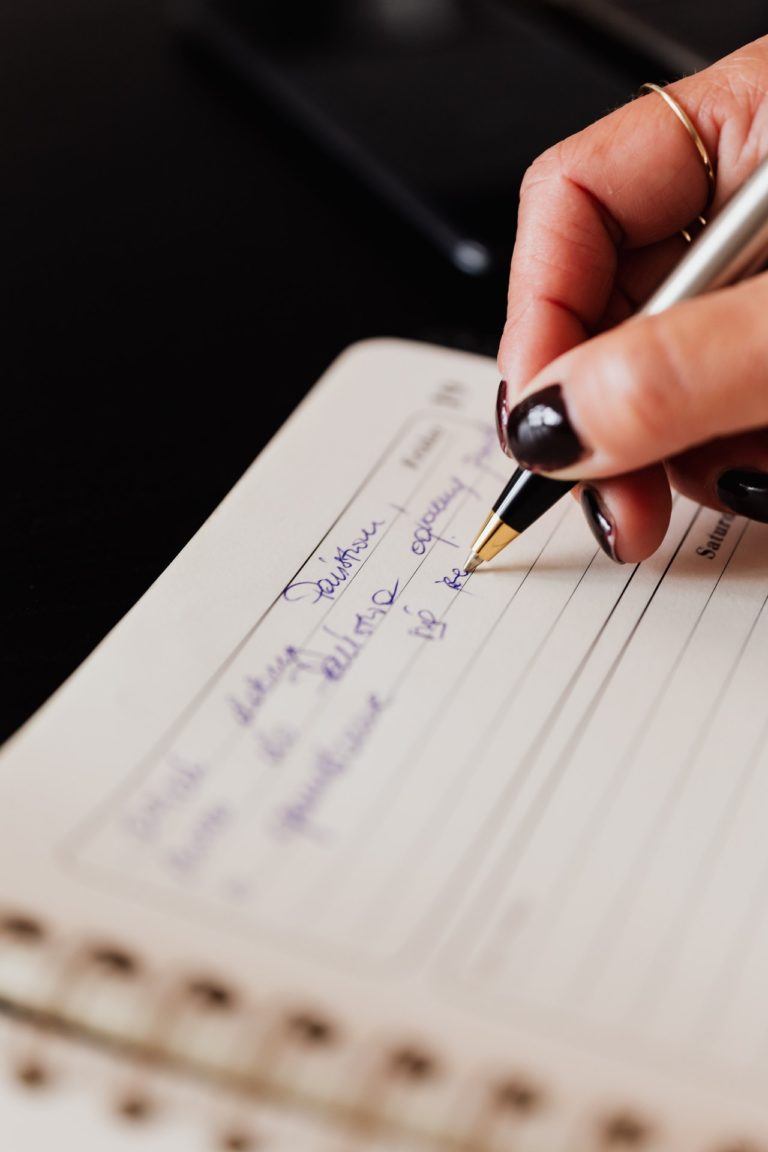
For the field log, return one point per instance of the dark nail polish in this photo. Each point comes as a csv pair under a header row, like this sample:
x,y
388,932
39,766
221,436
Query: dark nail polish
x,y
502,412
539,432
600,522
745,492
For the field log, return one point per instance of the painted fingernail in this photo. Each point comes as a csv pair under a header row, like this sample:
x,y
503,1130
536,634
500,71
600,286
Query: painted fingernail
x,y
539,433
502,412
600,522
745,492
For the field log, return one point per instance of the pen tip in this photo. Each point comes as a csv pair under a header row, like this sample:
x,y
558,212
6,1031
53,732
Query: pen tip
x,y
473,561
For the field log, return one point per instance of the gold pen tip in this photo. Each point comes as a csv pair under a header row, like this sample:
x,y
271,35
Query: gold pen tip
x,y
473,561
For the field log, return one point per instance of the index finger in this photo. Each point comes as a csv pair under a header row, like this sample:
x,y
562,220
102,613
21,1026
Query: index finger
x,y
629,180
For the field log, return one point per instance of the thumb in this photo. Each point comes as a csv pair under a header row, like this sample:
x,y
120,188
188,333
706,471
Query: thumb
x,y
652,388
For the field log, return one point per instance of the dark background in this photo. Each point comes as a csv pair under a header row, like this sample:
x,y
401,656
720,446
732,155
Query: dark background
x,y
177,268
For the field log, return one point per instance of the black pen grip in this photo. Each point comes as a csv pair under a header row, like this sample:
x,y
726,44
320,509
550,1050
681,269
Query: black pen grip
x,y
527,497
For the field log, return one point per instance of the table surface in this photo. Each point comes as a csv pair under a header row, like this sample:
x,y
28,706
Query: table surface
x,y
177,270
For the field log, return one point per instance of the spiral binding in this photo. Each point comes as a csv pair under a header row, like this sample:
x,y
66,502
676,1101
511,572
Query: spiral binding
x,y
104,994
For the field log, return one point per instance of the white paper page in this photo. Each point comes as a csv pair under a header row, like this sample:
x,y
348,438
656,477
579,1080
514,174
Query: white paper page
x,y
517,816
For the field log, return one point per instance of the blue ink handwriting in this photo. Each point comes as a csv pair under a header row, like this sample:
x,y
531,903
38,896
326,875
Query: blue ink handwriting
x,y
276,744
343,564
424,532
429,627
330,763
145,820
456,580
347,645
202,840
256,689
488,446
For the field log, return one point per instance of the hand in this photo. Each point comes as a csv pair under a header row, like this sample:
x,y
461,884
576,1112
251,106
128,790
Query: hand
x,y
680,398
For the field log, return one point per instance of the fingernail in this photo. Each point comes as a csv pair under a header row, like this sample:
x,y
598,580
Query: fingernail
x,y
600,522
540,434
745,492
502,412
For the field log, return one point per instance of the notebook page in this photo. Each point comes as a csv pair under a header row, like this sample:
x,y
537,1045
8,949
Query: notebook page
x,y
518,815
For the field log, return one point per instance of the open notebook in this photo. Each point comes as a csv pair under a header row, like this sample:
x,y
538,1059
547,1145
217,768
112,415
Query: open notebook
x,y
478,861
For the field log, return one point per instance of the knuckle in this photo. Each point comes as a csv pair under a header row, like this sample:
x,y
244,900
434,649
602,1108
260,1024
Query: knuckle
x,y
544,168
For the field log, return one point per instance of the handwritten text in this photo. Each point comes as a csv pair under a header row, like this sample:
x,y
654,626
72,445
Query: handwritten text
x,y
342,566
424,532
329,764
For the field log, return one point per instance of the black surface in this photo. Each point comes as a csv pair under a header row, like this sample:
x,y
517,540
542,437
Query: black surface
x,y
678,36
438,114
175,273
708,28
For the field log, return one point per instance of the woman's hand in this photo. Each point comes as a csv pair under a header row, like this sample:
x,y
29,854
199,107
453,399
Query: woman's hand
x,y
680,397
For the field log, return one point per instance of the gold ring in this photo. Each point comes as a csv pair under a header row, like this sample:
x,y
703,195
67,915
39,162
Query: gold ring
x,y
701,148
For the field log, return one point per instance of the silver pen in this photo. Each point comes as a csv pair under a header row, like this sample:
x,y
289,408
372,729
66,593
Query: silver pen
x,y
733,246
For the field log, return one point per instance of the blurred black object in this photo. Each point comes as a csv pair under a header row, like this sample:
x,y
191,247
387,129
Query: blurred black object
x,y
681,37
437,105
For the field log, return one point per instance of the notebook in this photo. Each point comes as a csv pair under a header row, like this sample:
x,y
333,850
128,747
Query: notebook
x,y
327,828
64,1093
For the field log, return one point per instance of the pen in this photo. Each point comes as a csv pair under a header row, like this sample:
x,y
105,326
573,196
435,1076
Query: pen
x,y
733,246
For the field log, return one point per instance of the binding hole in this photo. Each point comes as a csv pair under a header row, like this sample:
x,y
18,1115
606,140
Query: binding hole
x,y
211,996
115,961
238,1140
624,1130
413,1064
32,1073
135,1107
312,1030
23,928
517,1096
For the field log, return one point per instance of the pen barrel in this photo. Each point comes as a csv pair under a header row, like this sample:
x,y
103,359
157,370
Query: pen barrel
x,y
731,247
527,497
